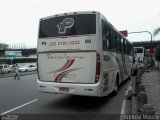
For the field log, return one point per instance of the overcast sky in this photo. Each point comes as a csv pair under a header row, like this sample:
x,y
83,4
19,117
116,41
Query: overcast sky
x,y
20,18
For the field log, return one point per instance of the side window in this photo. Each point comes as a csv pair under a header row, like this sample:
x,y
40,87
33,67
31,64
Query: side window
x,y
118,43
105,36
32,66
122,45
113,41
110,38
5,66
108,43
125,45
128,47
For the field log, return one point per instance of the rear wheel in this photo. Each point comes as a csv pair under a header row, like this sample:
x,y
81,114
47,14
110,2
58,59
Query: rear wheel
x,y
132,72
116,86
9,72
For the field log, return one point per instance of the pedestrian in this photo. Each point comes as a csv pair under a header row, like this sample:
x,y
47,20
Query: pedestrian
x,y
16,72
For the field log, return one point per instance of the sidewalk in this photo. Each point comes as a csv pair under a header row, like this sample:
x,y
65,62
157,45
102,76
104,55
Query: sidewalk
x,y
151,81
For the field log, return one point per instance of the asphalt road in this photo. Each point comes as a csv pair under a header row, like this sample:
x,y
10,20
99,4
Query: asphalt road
x,y
21,97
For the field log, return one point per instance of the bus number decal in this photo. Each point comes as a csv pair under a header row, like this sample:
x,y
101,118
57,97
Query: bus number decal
x,y
64,43
88,41
52,44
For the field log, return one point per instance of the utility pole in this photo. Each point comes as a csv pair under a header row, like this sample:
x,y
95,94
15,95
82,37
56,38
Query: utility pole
x,y
150,44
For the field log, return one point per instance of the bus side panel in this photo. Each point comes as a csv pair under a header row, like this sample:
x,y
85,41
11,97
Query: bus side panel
x,y
110,68
114,64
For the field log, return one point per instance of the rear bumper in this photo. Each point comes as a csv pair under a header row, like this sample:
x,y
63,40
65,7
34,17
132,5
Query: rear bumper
x,y
74,89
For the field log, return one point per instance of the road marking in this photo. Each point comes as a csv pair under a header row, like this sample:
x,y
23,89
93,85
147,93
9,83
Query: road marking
x,y
123,106
19,106
123,109
125,98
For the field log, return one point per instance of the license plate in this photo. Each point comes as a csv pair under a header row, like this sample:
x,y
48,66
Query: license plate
x,y
63,89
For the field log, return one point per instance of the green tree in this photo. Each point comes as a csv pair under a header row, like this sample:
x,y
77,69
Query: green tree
x,y
157,54
156,31
3,46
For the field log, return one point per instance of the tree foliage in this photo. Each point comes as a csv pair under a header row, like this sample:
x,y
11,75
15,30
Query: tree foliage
x,y
156,31
157,54
3,46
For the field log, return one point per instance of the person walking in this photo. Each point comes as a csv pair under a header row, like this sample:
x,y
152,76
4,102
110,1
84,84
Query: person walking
x,y
16,73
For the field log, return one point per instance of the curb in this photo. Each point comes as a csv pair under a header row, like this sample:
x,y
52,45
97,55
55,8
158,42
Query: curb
x,y
133,99
139,99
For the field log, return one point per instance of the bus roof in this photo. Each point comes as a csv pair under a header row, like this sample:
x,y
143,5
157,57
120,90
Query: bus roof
x,y
71,13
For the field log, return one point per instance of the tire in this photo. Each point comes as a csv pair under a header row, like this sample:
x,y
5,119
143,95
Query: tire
x,y
115,91
26,70
132,72
9,72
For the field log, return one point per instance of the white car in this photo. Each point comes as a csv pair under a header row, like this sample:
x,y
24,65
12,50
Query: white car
x,y
5,68
27,68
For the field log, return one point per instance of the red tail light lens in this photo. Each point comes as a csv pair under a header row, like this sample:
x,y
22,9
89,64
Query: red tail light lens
x,y
37,68
97,68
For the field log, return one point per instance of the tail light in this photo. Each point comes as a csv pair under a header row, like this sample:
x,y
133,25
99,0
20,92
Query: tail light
x,y
37,68
97,68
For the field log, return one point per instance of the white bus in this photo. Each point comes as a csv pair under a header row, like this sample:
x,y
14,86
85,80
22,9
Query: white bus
x,y
81,53
138,58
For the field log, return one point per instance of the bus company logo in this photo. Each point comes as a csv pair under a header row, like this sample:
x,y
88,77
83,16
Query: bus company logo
x,y
66,23
64,56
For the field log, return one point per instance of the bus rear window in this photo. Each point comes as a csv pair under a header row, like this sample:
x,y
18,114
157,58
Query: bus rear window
x,y
68,25
139,50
